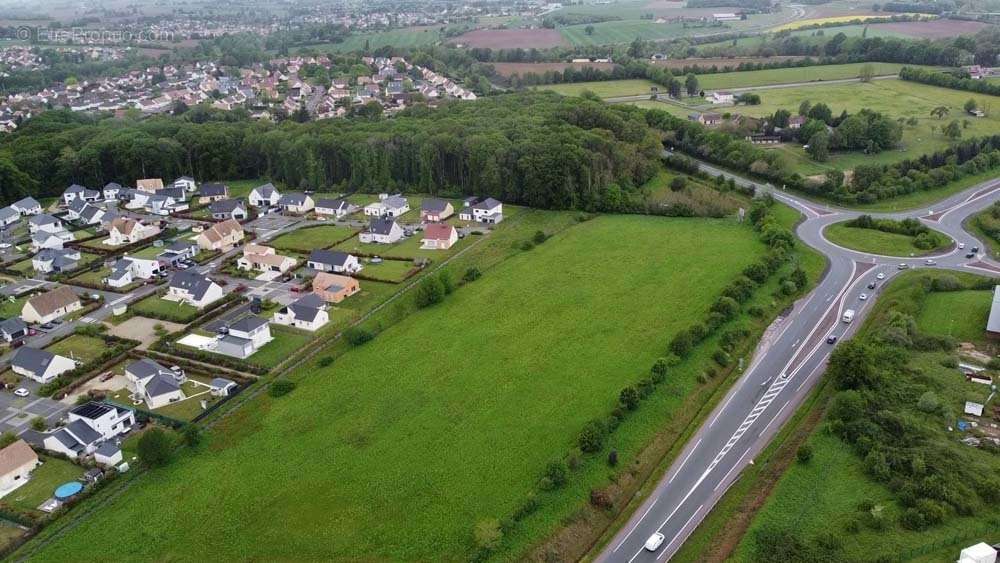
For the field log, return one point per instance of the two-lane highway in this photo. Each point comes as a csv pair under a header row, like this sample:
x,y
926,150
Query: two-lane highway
x,y
785,367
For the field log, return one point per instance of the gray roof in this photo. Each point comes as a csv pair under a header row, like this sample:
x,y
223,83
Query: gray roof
x,y
67,439
213,189
42,219
176,193
266,190
83,431
433,204
226,206
77,205
395,201
26,203
162,384
993,324
221,382
32,359
488,203
248,324
108,449
194,283
9,213
13,325
307,307
332,204
381,226
113,186
292,198
90,211
145,367
330,257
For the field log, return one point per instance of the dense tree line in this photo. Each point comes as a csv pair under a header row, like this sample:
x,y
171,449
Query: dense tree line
x,y
535,149
924,237
946,80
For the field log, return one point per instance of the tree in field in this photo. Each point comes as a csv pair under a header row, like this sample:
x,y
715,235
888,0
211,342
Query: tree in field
x,y
589,30
488,533
970,105
940,112
780,118
691,84
156,447
674,88
821,112
953,130
804,107
867,71
819,146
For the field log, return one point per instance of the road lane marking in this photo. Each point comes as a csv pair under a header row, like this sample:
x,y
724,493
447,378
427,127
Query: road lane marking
x,y
731,469
686,458
679,532
639,521
775,417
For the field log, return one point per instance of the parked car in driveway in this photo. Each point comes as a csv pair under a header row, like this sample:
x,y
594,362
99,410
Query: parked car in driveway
x,y
22,392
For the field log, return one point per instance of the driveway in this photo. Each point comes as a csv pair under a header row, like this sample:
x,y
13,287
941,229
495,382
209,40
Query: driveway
x,y
16,413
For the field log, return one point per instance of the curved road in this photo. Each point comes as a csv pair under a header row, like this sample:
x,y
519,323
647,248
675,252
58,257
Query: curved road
x,y
786,366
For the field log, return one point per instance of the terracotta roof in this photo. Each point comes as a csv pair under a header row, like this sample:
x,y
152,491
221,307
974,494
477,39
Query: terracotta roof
x,y
438,231
124,225
222,230
149,184
45,303
16,455
324,281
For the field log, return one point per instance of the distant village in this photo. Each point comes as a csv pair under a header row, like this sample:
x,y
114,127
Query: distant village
x,y
267,91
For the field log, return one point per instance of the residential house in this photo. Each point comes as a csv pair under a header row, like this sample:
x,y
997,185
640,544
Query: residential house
x,y
56,240
264,196
27,206
186,183
706,118
106,419
13,329
39,365
193,288
264,258
77,191
334,288
383,230
221,387
111,191
334,207
221,236
333,261
296,202
17,461
74,440
91,426
433,210
388,206
108,454
796,121
154,384
228,209
212,192
149,185
9,216
56,260
127,231
44,223
51,305
307,313
439,236
245,337
178,250
488,211
127,270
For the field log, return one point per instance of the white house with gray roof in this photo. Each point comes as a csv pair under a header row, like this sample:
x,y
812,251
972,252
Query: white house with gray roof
x,y
9,216
27,206
76,191
489,211
91,428
307,313
335,207
154,384
245,337
193,288
45,223
296,202
383,230
388,206
55,260
264,196
39,365
333,261
13,329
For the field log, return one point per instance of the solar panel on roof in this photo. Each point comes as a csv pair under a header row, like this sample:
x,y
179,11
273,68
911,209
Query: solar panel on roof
x,y
91,410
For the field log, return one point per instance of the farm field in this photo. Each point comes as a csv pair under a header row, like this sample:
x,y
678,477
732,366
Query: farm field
x,y
824,495
875,241
505,38
619,32
605,89
401,38
377,432
825,21
508,69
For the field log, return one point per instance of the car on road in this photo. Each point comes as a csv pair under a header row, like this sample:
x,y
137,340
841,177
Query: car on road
x,y
22,392
871,285
107,375
970,255
831,339
930,262
56,322
961,245
880,276
46,326
654,542
974,249
5,245
903,266
863,297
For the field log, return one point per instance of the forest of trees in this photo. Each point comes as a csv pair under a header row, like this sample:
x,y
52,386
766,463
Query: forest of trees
x,y
534,149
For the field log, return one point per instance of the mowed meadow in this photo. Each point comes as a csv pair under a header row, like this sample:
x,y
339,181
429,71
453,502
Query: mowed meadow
x,y
398,448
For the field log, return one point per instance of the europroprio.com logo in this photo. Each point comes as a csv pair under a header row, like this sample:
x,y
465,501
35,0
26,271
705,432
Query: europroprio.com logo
x,y
89,36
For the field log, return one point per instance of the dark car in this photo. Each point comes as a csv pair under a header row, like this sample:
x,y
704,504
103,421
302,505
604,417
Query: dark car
x,y
970,255
831,339
46,326
871,285
975,249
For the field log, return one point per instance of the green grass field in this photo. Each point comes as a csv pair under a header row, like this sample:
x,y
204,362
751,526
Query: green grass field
x,y
605,89
170,310
44,481
876,242
400,38
417,441
310,238
618,32
959,314
79,347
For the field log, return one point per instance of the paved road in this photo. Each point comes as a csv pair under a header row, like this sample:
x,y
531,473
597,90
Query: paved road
x,y
785,368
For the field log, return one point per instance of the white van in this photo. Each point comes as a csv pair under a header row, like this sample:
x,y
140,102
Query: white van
x,y
848,316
